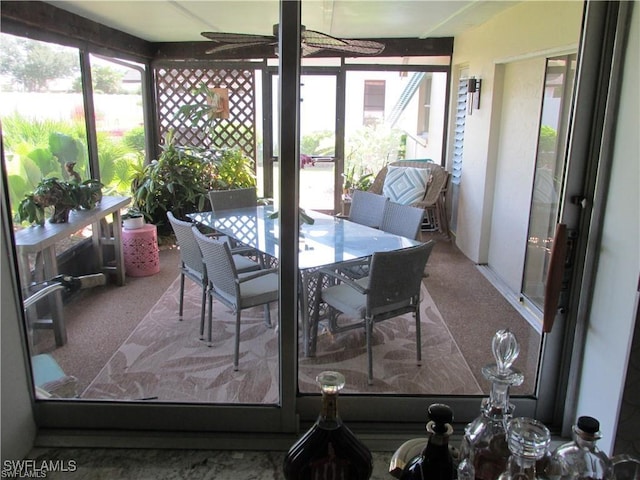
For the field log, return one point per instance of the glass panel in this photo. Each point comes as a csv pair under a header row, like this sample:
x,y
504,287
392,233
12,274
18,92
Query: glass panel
x,y
421,61
550,167
317,141
410,126
119,114
44,135
42,114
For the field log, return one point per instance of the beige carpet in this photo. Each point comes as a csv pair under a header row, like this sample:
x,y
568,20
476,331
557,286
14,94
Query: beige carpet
x,y
164,359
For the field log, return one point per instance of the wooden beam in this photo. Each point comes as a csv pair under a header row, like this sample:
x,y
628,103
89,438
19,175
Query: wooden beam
x,y
394,47
42,21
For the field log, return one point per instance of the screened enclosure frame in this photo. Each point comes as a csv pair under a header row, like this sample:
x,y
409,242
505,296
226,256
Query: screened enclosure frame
x,y
67,421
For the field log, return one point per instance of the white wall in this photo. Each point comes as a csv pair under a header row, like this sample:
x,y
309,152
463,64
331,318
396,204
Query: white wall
x,y
18,426
612,316
514,168
529,29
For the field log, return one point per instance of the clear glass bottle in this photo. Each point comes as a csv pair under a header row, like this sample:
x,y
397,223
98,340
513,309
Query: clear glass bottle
x,y
435,462
483,450
528,441
581,459
328,450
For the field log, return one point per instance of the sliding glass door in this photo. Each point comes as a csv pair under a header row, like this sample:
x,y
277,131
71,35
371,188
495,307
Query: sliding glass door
x,y
288,398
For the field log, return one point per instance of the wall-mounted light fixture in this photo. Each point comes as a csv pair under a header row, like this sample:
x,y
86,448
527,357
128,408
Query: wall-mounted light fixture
x,y
473,94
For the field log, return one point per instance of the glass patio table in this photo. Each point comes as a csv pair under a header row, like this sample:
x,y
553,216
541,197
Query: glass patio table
x,y
327,242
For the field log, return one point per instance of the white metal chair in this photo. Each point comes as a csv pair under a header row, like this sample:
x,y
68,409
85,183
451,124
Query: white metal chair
x,y
392,288
192,263
235,290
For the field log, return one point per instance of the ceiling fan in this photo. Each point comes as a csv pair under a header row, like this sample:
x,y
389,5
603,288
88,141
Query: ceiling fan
x,y
312,42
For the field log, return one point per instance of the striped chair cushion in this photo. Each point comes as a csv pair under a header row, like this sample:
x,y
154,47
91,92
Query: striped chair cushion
x,y
405,185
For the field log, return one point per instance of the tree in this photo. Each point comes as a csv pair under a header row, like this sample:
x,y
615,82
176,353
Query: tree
x,y
33,64
105,80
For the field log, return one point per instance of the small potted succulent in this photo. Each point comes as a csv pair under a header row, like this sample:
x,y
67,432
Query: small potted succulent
x,y
133,219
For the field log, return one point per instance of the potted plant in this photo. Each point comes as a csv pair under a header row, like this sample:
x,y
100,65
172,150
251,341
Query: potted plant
x,y
181,178
62,196
133,219
356,180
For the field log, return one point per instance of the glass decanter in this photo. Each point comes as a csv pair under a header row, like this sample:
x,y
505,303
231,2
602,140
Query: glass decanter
x,y
328,450
483,450
581,458
528,441
435,462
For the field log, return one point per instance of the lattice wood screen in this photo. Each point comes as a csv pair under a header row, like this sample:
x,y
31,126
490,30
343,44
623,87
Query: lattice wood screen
x,y
174,88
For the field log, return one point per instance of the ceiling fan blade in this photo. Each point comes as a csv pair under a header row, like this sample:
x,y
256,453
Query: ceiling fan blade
x,y
361,47
312,42
235,46
321,40
222,37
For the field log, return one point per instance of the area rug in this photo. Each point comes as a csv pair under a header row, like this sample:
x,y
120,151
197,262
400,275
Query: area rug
x,y
164,359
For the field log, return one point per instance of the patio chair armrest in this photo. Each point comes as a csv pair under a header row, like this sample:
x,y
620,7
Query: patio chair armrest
x,y
242,249
244,277
358,262
343,278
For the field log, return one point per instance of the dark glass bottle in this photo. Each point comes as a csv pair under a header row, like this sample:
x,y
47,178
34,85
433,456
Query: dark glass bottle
x,y
484,451
435,462
329,450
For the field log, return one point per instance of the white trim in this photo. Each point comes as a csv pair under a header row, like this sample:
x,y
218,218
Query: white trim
x,y
524,307
547,53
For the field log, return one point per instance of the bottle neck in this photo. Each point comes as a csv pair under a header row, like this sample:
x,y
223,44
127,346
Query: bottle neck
x,y
499,397
329,411
438,440
521,468
585,442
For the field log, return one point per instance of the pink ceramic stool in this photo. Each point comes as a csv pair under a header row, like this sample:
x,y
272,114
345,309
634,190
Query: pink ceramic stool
x,y
140,249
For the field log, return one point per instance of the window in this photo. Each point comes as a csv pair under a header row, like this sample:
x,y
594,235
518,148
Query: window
x,y
424,113
373,111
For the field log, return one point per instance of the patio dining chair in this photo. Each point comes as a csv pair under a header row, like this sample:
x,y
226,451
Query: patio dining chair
x,y
236,290
367,208
235,198
392,288
403,220
192,263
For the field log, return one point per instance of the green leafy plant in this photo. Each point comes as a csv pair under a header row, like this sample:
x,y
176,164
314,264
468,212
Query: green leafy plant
x,y
63,196
36,149
178,181
357,179
235,170
181,178
132,212
200,111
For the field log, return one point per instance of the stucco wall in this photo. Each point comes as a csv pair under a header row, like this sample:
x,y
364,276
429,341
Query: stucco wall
x,y
527,30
